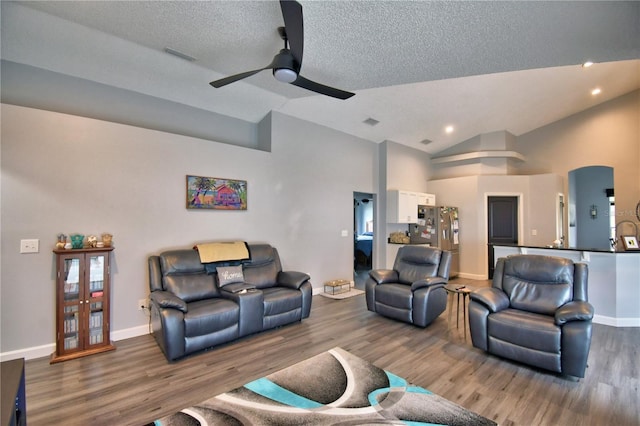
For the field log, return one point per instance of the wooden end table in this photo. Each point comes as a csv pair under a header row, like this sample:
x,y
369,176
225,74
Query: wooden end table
x,y
462,291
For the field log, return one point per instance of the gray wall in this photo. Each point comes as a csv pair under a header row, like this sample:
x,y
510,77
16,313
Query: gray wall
x,y
64,173
605,135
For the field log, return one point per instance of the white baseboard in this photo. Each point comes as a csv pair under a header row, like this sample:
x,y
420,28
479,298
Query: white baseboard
x,y
128,333
47,350
472,276
29,353
616,322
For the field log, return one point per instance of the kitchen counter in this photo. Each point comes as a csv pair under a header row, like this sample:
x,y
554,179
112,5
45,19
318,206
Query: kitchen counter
x,y
592,250
614,280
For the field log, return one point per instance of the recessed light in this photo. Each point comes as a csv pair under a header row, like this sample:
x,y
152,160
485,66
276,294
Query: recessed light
x,y
448,129
371,121
426,141
596,91
587,64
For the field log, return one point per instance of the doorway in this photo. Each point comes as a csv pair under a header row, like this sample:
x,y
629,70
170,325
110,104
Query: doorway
x,y
590,207
502,224
363,237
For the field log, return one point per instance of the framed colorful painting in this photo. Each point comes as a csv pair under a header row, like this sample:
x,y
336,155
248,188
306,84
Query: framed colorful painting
x,y
216,193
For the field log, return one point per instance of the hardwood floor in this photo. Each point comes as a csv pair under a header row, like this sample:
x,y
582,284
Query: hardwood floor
x,y
135,384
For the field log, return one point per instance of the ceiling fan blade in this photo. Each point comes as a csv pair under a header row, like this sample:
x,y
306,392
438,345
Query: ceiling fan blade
x,y
232,78
292,14
321,88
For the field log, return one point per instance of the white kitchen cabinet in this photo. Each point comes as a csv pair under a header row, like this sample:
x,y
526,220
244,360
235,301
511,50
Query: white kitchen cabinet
x,y
402,206
426,199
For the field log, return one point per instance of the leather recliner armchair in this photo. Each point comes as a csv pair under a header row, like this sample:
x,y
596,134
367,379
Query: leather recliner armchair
x,y
536,312
413,291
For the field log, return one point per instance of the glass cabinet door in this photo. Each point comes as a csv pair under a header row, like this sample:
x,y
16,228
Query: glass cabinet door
x,y
97,271
71,317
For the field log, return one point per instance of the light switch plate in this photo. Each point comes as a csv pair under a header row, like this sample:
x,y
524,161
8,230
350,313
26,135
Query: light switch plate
x,y
29,246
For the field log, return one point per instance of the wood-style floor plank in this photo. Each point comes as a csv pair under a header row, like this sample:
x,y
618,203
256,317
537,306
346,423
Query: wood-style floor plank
x,y
135,384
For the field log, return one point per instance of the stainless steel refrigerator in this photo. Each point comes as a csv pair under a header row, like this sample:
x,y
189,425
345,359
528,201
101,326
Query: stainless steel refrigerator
x,y
439,227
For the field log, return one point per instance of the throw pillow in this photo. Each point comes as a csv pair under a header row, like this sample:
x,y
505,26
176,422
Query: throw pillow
x,y
230,275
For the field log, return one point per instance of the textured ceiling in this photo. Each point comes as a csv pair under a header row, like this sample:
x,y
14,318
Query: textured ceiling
x,y
414,66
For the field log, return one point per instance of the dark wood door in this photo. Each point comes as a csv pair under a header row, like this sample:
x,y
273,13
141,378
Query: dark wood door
x,y
502,224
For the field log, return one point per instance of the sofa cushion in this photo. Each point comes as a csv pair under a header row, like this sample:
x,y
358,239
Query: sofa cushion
x,y
538,283
180,262
526,329
414,263
209,316
396,295
191,287
279,299
263,269
184,276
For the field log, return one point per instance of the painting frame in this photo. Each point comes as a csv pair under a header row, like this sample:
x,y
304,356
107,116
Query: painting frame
x,y
213,193
630,242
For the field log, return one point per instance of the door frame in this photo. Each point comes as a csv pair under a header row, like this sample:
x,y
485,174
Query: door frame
x,y
374,244
485,223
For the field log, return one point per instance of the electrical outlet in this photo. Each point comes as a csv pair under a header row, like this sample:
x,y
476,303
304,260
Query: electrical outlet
x,y
29,246
142,304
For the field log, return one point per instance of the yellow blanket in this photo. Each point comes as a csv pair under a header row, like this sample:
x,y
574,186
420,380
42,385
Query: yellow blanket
x,y
219,252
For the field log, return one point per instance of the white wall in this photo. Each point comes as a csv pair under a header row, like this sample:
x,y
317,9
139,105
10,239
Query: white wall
x,y
462,192
405,169
64,173
537,196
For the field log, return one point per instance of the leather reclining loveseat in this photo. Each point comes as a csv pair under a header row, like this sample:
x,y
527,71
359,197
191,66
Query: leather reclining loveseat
x,y
190,311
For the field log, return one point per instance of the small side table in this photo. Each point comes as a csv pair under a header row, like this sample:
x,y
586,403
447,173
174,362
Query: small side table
x,y
462,291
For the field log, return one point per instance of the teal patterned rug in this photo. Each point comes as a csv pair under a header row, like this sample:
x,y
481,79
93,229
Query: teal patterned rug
x,y
332,388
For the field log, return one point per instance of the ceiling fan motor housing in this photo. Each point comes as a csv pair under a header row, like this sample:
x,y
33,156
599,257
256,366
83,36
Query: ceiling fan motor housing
x,y
285,67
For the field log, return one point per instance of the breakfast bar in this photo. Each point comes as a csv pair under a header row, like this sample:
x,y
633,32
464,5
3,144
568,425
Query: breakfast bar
x,y
614,280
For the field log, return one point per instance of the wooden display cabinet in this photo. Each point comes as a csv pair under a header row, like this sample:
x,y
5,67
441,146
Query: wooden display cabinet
x,y
82,303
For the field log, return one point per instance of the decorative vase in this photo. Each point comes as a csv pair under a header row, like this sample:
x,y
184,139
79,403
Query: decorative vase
x,y
107,239
62,240
76,241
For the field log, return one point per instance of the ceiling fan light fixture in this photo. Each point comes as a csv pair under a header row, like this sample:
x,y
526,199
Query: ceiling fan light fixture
x,y
285,75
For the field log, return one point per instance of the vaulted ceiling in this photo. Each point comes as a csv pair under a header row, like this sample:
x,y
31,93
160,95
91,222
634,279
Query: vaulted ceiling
x,y
415,66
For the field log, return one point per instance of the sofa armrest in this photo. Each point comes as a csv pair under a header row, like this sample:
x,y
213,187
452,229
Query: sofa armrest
x,y
251,304
428,282
166,299
574,311
292,279
383,276
494,299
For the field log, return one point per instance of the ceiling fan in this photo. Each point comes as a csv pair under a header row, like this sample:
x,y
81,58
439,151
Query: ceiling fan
x,y
287,63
